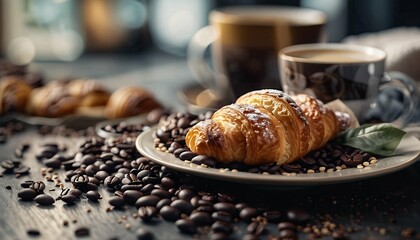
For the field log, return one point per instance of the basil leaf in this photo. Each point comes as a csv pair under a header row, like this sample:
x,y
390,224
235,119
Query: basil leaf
x,y
381,139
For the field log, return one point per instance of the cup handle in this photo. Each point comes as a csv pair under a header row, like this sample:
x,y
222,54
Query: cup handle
x,y
197,63
408,88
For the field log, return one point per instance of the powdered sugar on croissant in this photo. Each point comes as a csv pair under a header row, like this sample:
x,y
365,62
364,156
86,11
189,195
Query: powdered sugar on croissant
x,y
266,126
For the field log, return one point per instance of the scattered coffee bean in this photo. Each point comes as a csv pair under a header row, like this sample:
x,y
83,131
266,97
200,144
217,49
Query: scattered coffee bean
x,y
93,196
44,200
38,186
149,200
298,216
223,227
186,226
116,201
182,205
143,234
27,194
201,218
169,213
33,232
69,199
82,232
256,228
75,192
131,196
248,213
146,213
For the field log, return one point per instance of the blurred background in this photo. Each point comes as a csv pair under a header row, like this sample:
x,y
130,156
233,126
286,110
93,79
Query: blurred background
x,y
144,41
63,30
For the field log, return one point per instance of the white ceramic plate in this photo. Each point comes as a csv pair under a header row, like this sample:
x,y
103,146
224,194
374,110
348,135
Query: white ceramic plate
x,y
407,153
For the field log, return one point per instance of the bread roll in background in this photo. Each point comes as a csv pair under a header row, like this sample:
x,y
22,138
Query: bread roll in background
x,y
14,94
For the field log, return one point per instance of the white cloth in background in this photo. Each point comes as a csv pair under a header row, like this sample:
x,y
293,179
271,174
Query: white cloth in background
x,y
402,46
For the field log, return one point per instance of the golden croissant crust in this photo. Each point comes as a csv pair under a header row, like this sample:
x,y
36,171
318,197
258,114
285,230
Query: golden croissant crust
x,y
14,94
265,126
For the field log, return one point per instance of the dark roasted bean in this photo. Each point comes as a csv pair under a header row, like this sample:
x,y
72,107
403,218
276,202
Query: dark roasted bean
x,y
223,227
75,192
163,202
21,170
33,232
187,155
44,200
226,207
286,225
131,196
248,213
116,201
186,194
101,175
287,234
27,194
222,216
143,234
169,213
179,151
146,213
52,163
26,184
91,170
38,186
112,181
8,165
250,236
82,232
201,218
167,182
93,196
149,200
161,193
182,205
219,236
186,226
69,199
292,167
256,228
297,216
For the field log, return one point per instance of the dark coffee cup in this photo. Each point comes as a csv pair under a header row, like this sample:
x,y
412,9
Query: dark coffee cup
x,y
351,73
246,40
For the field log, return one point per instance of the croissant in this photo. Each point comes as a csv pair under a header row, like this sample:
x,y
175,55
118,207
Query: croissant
x,y
90,92
266,126
130,101
14,94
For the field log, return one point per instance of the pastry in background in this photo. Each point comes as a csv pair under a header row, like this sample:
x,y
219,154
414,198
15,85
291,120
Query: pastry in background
x,y
14,94
130,101
90,92
53,100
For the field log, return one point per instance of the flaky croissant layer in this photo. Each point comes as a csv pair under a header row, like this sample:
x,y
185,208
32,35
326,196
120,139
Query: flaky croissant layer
x,y
266,126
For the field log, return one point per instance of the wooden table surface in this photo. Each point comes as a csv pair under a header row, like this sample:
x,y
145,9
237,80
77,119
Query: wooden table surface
x,y
378,208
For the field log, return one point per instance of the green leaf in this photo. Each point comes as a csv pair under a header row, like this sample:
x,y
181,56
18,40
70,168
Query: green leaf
x,y
381,139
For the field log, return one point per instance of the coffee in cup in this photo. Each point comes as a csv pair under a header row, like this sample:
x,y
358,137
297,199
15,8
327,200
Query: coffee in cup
x,y
246,40
353,74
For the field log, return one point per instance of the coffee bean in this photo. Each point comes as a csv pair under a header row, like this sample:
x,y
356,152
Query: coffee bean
x,y
38,186
219,236
101,175
22,170
222,216
93,196
88,159
143,234
201,218
250,236
33,232
292,167
112,181
186,194
226,207
52,163
131,196
297,216
44,200
179,151
161,193
167,182
223,227
248,213
26,184
147,188
256,228
163,202
116,201
182,205
136,187
79,180
169,213
146,213
287,234
75,192
286,225
82,232
187,155
69,199
91,170
8,165
27,194
186,226
149,200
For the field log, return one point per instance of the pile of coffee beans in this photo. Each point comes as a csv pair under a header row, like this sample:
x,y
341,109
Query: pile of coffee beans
x,y
170,137
10,128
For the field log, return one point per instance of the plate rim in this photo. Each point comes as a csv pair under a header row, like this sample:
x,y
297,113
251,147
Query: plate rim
x,y
269,179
